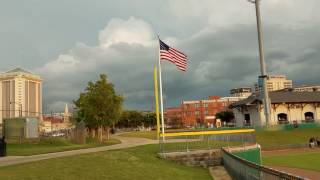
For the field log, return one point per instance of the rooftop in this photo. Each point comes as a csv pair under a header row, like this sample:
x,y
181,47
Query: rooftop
x,y
282,97
19,70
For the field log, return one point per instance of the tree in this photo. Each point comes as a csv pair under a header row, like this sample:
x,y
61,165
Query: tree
x,y
134,119
149,119
226,116
99,106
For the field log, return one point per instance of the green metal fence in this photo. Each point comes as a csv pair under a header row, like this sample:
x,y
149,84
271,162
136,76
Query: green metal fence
x,y
252,155
239,168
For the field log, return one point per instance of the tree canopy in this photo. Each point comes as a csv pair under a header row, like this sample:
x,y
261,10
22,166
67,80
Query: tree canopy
x,y
130,119
99,105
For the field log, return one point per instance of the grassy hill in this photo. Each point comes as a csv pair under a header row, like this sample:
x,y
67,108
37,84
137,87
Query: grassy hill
x,y
133,163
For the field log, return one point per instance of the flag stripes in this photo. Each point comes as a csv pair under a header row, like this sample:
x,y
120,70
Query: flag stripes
x,y
173,55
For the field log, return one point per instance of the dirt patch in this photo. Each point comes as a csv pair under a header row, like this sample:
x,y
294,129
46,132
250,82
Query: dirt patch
x,y
289,151
313,175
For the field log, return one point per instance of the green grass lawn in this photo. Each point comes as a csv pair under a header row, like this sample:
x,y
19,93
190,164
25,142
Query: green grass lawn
x,y
285,137
141,134
134,163
52,145
266,138
304,160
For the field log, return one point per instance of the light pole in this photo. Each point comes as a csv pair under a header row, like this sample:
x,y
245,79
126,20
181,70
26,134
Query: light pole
x,y
263,77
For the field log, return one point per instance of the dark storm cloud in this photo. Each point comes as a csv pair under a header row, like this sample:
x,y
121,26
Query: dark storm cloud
x,y
218,62
71,42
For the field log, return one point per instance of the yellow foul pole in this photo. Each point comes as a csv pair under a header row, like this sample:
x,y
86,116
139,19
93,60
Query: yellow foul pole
x,y
157,100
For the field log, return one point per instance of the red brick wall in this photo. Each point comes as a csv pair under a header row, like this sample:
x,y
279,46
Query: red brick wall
x,y
192,113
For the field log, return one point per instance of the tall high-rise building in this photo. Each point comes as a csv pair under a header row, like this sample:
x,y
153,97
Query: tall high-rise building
x,y
274,83
20,94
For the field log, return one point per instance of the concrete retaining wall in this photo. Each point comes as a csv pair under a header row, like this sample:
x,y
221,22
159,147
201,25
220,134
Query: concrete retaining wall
x,y
204,158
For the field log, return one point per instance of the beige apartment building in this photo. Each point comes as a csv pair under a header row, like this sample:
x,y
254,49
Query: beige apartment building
x,y
20,94
275,82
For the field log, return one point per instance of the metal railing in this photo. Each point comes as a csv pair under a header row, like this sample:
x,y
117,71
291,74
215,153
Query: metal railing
x,y
205,140
239,168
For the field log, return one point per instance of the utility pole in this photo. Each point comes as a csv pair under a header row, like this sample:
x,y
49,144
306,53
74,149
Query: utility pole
x,y
263,77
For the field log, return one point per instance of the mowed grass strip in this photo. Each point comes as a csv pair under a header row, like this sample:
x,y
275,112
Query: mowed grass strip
x,y
133,163
50,145
141,134
276,138
307,160
266,138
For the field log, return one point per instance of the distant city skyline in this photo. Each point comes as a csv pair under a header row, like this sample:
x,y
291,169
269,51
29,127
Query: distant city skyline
x,y
69,43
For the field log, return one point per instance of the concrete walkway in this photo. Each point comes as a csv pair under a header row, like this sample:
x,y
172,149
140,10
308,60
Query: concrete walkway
x,y
219,173
126,142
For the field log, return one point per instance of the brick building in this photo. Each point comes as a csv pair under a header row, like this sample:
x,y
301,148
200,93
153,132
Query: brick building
x,y
173,115
199,112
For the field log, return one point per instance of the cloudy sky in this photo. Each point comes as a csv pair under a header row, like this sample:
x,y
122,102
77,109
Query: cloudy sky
x,y
71,42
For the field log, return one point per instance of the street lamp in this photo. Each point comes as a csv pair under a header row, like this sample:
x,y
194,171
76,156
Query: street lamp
x,y
263,76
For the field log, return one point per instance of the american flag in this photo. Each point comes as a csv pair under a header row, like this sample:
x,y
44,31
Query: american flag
x,y
173,55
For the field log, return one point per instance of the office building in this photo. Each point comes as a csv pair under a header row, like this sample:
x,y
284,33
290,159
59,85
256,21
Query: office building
x,y
274,83
241,92
20,94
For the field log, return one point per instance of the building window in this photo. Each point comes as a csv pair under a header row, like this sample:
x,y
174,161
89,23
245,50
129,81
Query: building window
x,y
308,116
282,118
247,121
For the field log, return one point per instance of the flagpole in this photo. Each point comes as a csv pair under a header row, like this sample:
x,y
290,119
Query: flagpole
x,y
161,98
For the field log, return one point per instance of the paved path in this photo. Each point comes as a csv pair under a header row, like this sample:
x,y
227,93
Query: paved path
x,y
126,142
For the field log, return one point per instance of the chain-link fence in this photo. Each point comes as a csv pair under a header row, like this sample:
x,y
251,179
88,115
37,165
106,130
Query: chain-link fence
x,y
201,140
240,168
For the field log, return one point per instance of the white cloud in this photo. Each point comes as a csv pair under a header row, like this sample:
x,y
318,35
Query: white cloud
x,y
221,14
131,31
65,62
84,58
222,54
124,47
